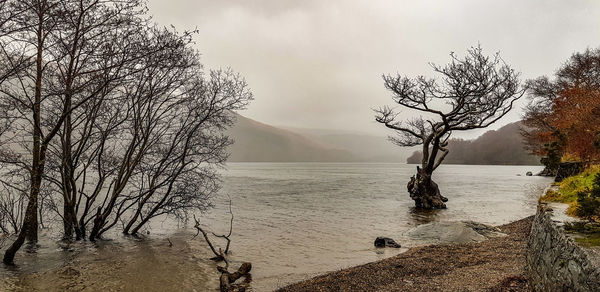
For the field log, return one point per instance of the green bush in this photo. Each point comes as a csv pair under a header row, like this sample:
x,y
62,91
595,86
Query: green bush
x,y
588,200
581,192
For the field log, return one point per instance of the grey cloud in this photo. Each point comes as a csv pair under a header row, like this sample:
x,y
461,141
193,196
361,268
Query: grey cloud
x,y
318,64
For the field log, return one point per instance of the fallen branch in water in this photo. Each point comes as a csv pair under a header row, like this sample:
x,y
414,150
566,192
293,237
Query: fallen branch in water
x,y
219,256
226,280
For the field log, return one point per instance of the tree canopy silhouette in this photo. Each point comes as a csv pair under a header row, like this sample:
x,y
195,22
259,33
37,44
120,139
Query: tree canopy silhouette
x,y
473,92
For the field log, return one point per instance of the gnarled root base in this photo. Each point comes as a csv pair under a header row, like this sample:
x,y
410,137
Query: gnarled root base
x,y
425,192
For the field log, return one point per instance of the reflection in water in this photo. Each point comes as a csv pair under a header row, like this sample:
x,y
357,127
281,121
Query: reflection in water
x,y
423,216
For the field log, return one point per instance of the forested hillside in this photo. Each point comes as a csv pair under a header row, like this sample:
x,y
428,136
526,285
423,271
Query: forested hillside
x,y
503,146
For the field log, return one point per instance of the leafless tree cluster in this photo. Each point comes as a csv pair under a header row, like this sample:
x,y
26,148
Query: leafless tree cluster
x,y
110,115
473,93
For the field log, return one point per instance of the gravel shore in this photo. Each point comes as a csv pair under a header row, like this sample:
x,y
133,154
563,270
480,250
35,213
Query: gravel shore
x,y
493,265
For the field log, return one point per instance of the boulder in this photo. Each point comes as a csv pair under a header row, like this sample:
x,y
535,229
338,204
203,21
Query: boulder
x,y
547,171
453,232
386,242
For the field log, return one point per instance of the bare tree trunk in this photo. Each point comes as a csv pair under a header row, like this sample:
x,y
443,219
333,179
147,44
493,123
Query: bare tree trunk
x,y
70,223
30,216
30,224
81,228
67,224
425,192
98,222
9,254
131,222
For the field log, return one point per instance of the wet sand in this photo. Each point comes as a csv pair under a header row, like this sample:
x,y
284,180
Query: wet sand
x,y
493,265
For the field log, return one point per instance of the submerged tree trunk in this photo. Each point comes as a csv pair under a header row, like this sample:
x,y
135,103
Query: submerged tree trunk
x,y
425,192
29,222
29,230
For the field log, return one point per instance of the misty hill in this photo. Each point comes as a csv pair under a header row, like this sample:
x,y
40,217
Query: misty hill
x,y
258,142
369,148
502,147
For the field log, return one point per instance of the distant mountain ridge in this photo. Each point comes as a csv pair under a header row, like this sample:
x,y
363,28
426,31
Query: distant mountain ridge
x,y
259,142
368,148
500,147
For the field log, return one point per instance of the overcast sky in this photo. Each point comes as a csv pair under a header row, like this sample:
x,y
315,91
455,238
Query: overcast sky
x,y
318,64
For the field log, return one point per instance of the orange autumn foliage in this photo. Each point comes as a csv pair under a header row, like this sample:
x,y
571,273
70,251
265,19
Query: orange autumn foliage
x,y
576,115
566,110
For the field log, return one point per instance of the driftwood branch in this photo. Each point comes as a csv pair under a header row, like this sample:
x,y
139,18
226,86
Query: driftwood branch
x,y
227,237
227,280
219,256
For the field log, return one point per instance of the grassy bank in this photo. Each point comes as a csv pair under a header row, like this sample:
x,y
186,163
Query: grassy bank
x,y
567,191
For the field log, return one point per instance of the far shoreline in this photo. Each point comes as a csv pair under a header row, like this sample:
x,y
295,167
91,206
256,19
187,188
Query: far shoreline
x,y
370,162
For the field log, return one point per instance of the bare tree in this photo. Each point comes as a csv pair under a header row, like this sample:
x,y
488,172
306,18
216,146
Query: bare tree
x,y
181,174
115,113
39,45
12,202
473,93
30,24
162,158
96,46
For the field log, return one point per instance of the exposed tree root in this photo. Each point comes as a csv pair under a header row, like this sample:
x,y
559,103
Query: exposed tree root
x,y
425,192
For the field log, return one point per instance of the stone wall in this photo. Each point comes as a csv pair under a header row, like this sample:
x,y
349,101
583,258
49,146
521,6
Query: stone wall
x,y
555,262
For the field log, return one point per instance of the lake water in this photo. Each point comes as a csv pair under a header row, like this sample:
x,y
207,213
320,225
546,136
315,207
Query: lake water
x,y
296,220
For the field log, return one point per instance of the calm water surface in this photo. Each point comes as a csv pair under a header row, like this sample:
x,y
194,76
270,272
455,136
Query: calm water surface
x,y
296,220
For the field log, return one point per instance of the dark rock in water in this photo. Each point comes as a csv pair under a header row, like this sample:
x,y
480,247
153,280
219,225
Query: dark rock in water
x,y
529,173
567,169
386,242
547,172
